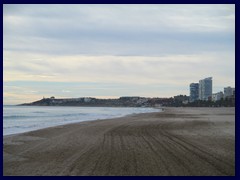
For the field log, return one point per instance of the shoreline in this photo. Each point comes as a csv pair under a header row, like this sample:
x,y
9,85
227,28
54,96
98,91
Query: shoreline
x,y
177,141
83,120
112,119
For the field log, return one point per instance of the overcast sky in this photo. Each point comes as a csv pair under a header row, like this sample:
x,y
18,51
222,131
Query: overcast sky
x,y
115,50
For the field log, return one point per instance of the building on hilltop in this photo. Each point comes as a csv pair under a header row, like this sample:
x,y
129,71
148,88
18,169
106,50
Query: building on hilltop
x,y
194,92
205,89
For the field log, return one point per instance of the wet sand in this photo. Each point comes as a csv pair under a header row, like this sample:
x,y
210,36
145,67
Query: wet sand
x,y
178,141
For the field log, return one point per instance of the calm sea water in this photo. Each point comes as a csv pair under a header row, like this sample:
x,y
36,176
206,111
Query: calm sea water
x,y
18,119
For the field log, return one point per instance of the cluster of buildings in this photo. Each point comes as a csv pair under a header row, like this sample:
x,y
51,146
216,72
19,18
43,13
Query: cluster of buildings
x,y
198,91
203,91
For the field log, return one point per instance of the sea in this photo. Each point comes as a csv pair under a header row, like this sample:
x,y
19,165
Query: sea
x,y
19,119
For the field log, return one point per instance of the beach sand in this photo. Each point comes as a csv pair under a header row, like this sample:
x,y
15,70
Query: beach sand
x,y
178,141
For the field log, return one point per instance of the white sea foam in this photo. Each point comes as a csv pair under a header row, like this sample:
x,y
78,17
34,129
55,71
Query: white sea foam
x,y
18,119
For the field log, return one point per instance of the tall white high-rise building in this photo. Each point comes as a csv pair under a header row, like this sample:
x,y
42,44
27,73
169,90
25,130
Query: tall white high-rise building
x,y
205,89
229,91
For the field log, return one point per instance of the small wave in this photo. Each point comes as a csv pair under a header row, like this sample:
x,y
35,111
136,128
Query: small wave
x,y
21,126
77,114
15,116
39,112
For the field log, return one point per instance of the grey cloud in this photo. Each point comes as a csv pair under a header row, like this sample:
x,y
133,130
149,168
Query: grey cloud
x,y
125,43
115,29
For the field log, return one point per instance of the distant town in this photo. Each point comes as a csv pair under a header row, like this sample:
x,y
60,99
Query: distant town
x,y
200,96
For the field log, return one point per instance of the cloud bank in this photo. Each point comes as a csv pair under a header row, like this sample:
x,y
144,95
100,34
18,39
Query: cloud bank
x,y
147,50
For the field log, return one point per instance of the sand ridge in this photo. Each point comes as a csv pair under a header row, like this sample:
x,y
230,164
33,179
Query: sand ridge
x,y
178,141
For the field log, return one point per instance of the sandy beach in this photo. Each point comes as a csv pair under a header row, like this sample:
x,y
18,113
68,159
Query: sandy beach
x,y
178,141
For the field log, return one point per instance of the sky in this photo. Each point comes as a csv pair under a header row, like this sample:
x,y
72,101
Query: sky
x,y
109,51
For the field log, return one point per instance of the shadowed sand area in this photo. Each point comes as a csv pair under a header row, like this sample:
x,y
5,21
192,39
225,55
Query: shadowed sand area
x,y
178,141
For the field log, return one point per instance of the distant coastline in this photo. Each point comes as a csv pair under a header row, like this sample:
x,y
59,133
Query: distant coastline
x,y
131,101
